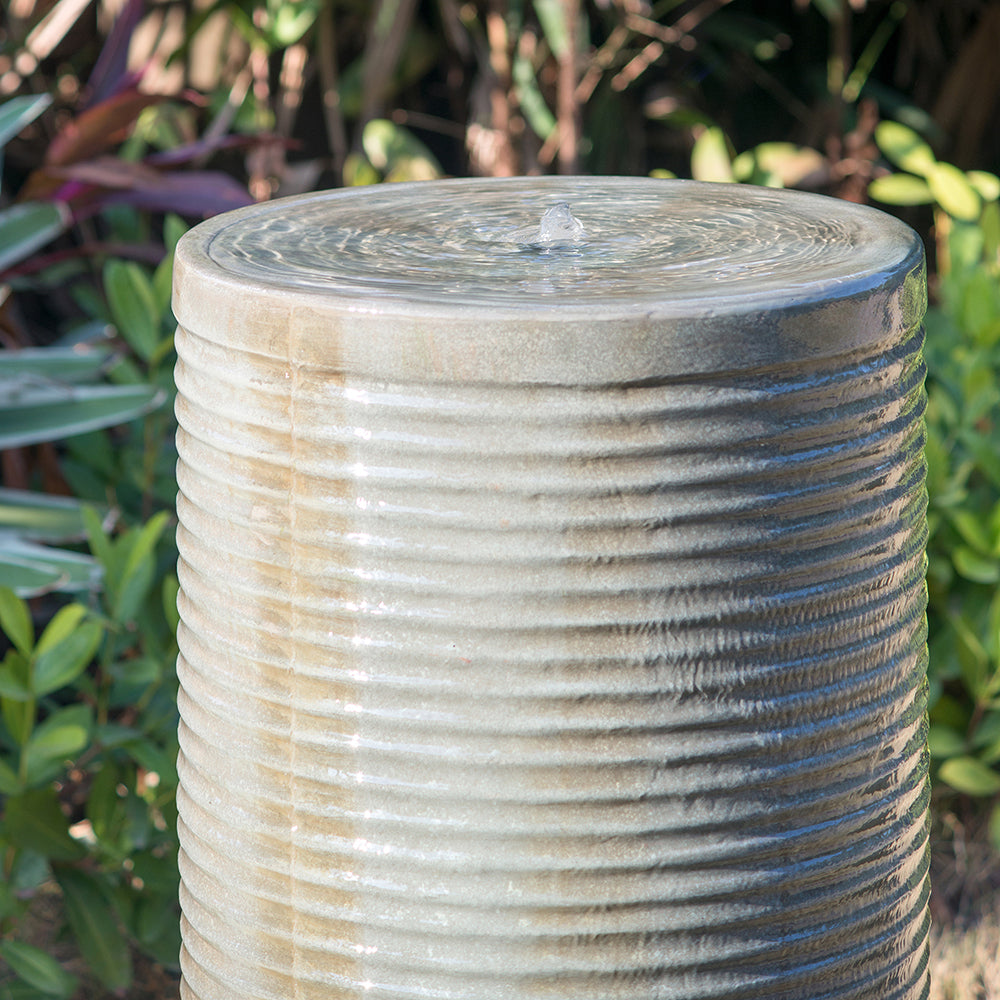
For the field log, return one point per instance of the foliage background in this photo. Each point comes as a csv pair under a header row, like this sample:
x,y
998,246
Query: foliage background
x,y
122,122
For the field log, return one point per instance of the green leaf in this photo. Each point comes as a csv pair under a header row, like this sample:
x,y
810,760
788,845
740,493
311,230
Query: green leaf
x,y
710,158
34,821
31,414
137,572
15,619
398,153
38,969
943,741
104,807
59,738
26,227
62,625
987,184
10,783
358,172
536,111
954,193
15,676
972,529
552,18
92,920
904,147
975,567
901,189
970,776
174,227
19,718
133,306
97,537
64,661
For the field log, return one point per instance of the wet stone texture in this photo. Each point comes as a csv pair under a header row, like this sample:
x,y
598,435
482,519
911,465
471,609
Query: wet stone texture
x,y
552,596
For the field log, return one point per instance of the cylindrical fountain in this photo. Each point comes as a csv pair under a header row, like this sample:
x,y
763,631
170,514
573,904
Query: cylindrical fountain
x,y
552,596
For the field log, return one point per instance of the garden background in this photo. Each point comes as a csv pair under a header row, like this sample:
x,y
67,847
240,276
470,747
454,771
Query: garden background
x,y
124,122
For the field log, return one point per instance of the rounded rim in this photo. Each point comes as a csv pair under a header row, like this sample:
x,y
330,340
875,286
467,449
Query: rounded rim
x,y
448,247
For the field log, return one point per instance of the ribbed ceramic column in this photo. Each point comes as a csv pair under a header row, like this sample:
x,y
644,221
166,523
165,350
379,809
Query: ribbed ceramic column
x,y
552,596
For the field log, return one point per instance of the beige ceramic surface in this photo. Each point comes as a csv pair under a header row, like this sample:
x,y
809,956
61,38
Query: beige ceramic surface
x,y
552,612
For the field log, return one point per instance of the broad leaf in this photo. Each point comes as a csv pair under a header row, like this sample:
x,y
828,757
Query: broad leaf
x,y
62,663
971,776
99,128
901,189
38,969
92,919
954,193
710,159
904,147
133,305
15,619
35,821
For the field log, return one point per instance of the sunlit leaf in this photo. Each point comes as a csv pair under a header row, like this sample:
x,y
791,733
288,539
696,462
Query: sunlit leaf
x,y
552,18
397,152
904,147
787,163
901,189
987,184
953,192
358,172
710,159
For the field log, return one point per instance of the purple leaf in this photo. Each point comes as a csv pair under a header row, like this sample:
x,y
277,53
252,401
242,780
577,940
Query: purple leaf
x,y
192,193
111,75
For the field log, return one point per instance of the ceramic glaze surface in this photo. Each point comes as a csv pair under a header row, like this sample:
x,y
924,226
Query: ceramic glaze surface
x,y
552,609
